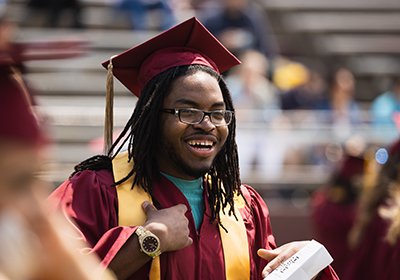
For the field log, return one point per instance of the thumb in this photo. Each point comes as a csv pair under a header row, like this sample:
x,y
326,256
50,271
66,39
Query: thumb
x,y
267,254
148,207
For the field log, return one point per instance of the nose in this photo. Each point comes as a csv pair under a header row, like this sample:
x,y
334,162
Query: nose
x,y
205,124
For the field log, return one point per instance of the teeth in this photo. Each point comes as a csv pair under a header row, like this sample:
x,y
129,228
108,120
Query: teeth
x,y
200,143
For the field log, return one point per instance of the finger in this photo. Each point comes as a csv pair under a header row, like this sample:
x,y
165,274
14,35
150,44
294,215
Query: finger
x,y
266,271
267,254
272,265
148,207
190,241
277,260
181,207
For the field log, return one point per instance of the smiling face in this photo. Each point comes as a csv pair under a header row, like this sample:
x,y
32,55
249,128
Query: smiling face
x,y
188,151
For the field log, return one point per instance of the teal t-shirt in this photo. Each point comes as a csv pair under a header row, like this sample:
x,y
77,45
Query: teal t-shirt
x,y
193,191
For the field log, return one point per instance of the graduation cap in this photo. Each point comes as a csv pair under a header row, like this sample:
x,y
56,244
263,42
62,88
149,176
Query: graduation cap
x,y
394,149
351,166
187,43
18,121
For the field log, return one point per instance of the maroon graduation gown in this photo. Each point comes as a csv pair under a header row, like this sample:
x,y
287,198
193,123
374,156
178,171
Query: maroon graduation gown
x,y
374,258
332,223
90,198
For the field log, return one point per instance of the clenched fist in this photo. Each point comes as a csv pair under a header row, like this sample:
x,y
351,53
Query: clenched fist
x,y
170,225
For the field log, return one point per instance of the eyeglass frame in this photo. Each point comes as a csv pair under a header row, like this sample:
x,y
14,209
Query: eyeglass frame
x,y
177,113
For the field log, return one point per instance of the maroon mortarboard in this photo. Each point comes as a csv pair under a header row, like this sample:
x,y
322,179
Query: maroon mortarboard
x,y
18,122
187,43
351,166
394,148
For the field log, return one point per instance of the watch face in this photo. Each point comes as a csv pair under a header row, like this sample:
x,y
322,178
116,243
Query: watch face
x,y
150,244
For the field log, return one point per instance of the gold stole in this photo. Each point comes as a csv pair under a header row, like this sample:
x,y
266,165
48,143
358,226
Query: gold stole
x,y
130,212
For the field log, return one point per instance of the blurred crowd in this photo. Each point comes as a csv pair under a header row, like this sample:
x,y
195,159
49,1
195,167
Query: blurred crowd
x,y
356,213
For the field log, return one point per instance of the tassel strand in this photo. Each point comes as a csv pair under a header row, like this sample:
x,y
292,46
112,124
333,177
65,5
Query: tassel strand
x,y
109,111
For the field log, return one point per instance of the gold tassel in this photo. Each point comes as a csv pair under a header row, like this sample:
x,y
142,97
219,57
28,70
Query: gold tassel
x,y
16,75
370,170
109,110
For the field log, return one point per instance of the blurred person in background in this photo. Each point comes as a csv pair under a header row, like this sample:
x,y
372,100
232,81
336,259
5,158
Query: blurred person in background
x,y
55,12
337,110
250,87
334,205
240,25
386,106
306,96
302,89
289,74
9,52
34,244
342,109
256,101
19,52
141,11
374,237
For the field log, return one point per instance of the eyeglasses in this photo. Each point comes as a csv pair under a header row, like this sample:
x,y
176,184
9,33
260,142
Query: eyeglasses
x,y
196,116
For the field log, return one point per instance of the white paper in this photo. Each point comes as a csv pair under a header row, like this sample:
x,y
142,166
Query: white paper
x,y
304,265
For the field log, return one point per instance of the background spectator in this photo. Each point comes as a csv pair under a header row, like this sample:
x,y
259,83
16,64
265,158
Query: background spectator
x,y
340,108
334,205
250,87
239,25
387,105
34,244
55,10
306,96
374,256
256,100
140,12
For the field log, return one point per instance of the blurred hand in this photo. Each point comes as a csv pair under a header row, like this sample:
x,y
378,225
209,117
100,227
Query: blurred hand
x,y
46,243
170,225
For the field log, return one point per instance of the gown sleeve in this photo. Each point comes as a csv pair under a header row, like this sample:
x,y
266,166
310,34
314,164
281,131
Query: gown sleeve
x,y
90,199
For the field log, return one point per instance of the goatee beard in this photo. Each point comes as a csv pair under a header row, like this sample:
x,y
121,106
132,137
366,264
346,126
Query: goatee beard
x,y
185,168
195,173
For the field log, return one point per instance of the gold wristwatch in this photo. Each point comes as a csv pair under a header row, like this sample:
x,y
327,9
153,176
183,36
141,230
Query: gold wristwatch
x,y
149,242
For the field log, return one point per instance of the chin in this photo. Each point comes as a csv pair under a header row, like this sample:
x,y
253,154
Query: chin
x,y
197,172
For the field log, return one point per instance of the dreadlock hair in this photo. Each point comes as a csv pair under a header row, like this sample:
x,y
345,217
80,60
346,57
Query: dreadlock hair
x,y
142,131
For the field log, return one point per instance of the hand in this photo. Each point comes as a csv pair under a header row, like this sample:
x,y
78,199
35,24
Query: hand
x,y
170,225
279,255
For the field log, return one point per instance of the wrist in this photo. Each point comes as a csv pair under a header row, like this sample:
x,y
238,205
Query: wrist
x,y
149,242
161,232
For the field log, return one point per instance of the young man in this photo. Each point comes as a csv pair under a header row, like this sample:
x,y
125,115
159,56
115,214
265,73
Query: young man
x,y
172,206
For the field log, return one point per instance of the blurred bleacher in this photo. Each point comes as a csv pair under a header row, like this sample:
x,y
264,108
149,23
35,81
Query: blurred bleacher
x,y
363,35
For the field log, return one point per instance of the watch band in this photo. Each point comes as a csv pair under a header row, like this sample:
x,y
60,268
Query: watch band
x,y
148,241
140,231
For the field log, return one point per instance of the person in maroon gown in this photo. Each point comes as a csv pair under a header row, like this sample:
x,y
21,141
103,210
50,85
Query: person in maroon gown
x,y
334,208
34,244
172,205
374,237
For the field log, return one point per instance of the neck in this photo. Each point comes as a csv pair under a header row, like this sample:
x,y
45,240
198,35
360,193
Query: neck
x,y
185,181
